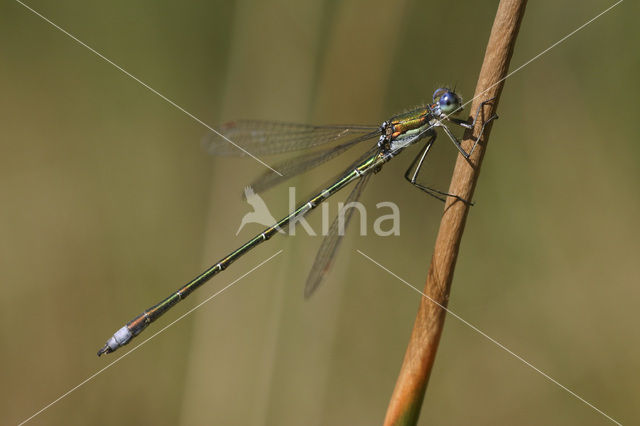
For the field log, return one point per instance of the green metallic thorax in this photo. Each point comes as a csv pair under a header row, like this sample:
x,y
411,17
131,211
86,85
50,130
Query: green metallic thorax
x,y
410,122
403,130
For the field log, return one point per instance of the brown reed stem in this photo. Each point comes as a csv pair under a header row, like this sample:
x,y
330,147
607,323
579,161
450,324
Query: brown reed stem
x,y
408,394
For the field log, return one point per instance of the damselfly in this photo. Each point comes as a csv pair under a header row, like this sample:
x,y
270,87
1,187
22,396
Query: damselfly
x,y
261,138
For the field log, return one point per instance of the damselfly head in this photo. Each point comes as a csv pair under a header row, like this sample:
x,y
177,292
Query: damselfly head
x,y
447,100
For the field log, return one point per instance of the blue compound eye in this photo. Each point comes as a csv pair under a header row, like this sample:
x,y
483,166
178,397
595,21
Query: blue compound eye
x,y
449,102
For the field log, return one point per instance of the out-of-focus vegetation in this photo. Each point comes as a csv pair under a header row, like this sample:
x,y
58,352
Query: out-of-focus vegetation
x,y
108,203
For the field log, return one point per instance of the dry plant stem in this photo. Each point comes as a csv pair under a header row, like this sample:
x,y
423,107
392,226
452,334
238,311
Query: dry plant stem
x,y
408,394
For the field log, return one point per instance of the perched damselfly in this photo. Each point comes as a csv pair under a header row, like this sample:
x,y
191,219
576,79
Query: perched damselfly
x,y
262,138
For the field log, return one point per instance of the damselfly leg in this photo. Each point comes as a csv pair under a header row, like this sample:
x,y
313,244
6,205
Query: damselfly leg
x,y
471,125
320,144
411,175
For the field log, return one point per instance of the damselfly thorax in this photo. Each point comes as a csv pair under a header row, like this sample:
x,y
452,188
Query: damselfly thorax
x,y
319,145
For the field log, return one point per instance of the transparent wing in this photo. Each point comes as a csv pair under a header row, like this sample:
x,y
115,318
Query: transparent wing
x,y
272,137
331,243
304,163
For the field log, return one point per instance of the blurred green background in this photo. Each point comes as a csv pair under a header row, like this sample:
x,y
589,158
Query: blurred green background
x,y
108,203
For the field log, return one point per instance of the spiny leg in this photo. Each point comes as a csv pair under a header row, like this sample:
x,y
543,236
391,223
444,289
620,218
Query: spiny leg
x,y
466,125
417,164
